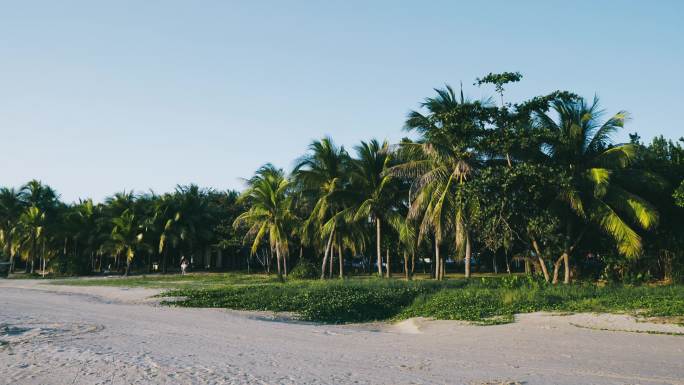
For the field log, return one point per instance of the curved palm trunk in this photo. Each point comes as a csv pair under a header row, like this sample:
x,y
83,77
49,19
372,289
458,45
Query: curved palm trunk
x,y
468,253
285,264
325,255
542,263
566,263
377,239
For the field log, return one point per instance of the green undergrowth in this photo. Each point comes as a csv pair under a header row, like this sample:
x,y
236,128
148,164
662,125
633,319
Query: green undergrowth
x,y
483,301
327,301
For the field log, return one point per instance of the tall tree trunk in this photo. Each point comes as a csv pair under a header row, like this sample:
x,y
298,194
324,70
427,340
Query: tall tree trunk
x,y
566,263
542,263
285,263
332,259
11,253
556,268
269,256
467,255
325,255
442,267
278,256
413,264
406,267
387,261
377,247
33,253
508,262
339,249
438,261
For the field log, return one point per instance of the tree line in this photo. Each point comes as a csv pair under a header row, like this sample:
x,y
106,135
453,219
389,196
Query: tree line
x,y
478,185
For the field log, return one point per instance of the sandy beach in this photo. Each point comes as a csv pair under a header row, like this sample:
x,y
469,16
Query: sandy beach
x,y
107,335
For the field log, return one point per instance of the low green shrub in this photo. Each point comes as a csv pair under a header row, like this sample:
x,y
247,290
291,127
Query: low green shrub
x,y
305,270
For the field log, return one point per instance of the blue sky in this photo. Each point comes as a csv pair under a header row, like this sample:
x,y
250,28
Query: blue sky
x,y
97,97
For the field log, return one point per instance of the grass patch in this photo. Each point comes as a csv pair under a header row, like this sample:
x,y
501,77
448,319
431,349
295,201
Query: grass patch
x,y
328,301
484,301
480,304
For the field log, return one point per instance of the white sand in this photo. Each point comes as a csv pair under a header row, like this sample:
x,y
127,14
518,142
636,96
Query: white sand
x,y
106,335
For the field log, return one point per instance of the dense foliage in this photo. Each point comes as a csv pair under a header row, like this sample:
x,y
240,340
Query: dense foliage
x,y
480,186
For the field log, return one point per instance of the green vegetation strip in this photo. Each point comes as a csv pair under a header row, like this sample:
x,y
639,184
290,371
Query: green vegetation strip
x,y
484,301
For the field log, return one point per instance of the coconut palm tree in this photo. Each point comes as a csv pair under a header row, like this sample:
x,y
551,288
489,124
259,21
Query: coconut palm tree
x,y
267,196
11,207
87,229
193,219
322,176
439,165
127,236
32,234
375,186
39,195
407,233
164,220
596,193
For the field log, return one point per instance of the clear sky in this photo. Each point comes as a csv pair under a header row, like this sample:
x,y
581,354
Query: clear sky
x,y
97,97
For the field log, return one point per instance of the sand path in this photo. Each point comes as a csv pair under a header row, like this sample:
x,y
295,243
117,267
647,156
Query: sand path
x,y
107,335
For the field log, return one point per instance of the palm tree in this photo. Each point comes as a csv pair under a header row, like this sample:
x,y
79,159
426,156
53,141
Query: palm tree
x,y
87,229
127,235
36,194
322,176
439,166
193,218
371,180
11,207
32,225
408,241
164,221
580,145
269,202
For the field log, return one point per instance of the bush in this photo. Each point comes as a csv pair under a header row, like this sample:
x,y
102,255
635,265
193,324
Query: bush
x,y
305,270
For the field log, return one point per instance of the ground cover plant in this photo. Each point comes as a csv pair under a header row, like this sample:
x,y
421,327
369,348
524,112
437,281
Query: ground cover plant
x,y
484,301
